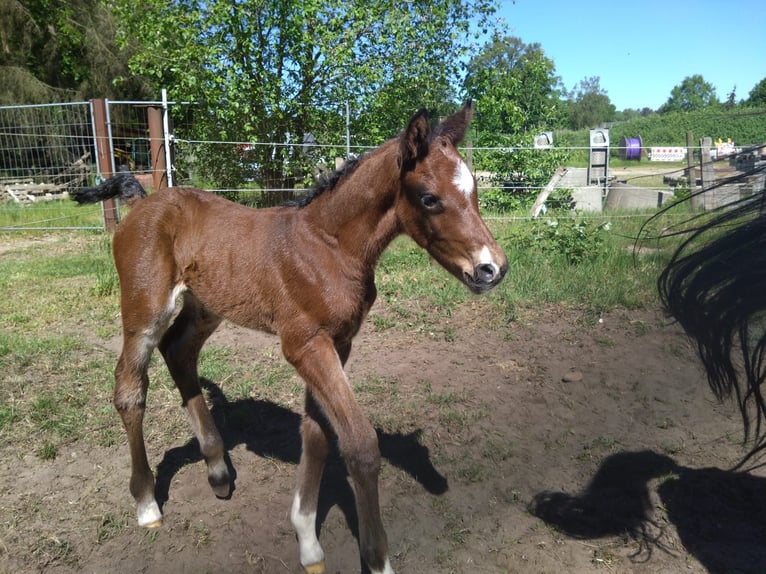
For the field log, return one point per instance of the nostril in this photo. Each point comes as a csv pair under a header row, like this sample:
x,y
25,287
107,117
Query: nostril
x,y
485,272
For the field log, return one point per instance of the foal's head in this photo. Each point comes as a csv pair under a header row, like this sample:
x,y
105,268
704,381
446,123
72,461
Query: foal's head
x,y
440,208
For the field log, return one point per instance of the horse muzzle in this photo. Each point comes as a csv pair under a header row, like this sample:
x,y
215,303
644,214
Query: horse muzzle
x,y
484,277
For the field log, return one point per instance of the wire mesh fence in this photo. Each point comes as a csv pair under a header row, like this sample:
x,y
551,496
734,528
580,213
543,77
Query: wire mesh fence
x,y
47,151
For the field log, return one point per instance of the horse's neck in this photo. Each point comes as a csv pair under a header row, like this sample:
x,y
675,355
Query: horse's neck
x,y
360,211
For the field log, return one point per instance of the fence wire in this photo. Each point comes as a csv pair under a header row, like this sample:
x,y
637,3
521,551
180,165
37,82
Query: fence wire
x,y
46,151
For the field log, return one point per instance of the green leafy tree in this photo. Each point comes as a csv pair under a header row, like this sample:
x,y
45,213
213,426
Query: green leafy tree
x,y
517,93
589,105
277,70
757,96
629,114
731,99
515,86
693,93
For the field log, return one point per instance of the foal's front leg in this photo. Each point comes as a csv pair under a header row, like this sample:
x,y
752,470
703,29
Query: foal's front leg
x,y
315,448
318,363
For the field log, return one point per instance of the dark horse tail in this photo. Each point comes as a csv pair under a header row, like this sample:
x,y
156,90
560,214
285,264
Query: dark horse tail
x,y
715,287
122,186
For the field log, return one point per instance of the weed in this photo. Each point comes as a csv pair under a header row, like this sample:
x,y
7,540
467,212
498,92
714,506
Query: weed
x,y
442,399
671,448
497,450
110,526
603,557
8,415
381,322
47,451
201,534
472,471
51,549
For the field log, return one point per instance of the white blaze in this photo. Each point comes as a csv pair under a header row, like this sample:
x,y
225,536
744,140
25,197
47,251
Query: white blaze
x,y
463,179
485,257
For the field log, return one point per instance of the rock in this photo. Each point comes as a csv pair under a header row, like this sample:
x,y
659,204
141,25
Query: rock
x,y
572,377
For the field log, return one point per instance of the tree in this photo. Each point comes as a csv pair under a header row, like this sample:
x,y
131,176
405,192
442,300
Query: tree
x,y
58,51
276,70
515,86
589,105
516,90
629,114
731,99
757,96
693,93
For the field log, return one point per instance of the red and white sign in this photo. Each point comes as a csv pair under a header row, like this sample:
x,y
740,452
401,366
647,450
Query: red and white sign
x,y
667,154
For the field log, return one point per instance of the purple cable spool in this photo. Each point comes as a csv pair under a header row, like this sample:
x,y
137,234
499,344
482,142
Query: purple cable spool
x,y
630,148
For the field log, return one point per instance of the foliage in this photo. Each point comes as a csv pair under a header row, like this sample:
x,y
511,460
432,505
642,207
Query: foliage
x,y
517,91
589,105
500,200
743,125
517,171
278,71
693,93
515,86
757,96
576,240
60,51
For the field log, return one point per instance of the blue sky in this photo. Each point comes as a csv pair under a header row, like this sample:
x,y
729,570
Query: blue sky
x,y
641,49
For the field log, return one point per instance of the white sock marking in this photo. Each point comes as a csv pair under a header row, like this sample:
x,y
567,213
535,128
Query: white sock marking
x,y
386,569
463,179
305,528
149,514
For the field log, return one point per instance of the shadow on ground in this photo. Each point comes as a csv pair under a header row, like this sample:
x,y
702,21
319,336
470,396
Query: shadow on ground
x,y
273,431
720,516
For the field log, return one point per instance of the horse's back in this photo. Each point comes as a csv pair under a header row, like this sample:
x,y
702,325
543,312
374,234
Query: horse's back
x,y
219,251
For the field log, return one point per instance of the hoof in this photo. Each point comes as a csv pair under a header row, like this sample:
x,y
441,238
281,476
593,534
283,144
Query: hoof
x,y
220,482
149,515
152,525
317,568
222,490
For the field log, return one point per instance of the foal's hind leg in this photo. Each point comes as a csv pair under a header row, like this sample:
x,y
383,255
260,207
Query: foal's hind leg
x,y
180,347
131,383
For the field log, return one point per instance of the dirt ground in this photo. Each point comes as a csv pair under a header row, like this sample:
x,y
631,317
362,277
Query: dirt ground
x,y
559,443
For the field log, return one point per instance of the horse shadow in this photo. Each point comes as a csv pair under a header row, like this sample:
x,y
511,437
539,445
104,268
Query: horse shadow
x,y
719,515
273,431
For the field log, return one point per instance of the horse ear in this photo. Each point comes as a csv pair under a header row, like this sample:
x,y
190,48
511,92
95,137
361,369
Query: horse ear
x,y
414,142
455,126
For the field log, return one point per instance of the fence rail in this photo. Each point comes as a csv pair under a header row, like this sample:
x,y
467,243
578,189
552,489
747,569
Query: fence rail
x,y
46,151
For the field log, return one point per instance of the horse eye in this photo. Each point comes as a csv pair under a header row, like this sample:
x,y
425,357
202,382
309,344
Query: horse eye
x,y
429,201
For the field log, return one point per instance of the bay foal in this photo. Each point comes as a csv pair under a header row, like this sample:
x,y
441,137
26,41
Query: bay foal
x,y
305,272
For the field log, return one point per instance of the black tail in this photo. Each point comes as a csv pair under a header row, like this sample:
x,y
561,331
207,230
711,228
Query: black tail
x,y
715,286
123,186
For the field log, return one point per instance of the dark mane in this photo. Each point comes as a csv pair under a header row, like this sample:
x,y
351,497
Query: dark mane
x,y
327,181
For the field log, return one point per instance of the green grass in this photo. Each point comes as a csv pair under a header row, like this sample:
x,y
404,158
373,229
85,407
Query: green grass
x,y
55,214
596,270
59,301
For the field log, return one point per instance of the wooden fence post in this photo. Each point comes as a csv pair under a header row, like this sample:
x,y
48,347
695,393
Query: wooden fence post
x,y
157,147
706,170
691,172
104,159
